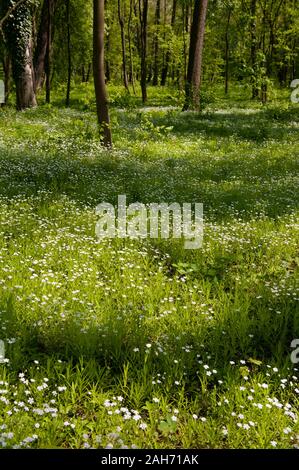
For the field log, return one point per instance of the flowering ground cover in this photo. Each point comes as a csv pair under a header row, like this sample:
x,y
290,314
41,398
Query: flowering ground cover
x,y
141,343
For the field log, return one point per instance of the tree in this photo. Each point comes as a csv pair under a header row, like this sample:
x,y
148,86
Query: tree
x,y
253,47
168,55
123,44
193,80
18,33
227,45
156,43
143,12
42,54
99,72
69,54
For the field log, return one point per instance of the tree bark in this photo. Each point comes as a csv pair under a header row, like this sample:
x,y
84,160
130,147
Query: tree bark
x,y
43,43
227,51
255,91
48,51
156,42
167,58
130,48
69,54
143,11
193,81
123,45
18,32
99,72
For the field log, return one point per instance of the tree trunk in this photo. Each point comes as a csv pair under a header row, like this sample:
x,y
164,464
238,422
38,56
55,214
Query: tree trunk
x,y
193,81
88,72
167,58
123,45
24,81
42,43
264,85
255,91
107,63
99,72
83,79
130,47
143,11
69,54
156,42
48,51
227,51
18,31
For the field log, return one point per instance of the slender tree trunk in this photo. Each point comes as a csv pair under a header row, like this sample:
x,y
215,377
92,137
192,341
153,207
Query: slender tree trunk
x,y
168,53
41,47
184,42
130,48
143,11
123,45
69,54
48,53
227,51
88,72
255,91
264,85
99,72
193,81
156,42
187,8
107,62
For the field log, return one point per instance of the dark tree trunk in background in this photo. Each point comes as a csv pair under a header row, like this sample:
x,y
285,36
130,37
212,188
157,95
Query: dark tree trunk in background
x,y
156,43
69,54
227,51
253,51
48,51
43,43
83,74
88,73
167,58
264,85
143,11
130,47
193,81
107,63
187,18
123,45
99,72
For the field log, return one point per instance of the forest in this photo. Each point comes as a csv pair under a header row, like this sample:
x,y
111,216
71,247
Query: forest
x,y
127,334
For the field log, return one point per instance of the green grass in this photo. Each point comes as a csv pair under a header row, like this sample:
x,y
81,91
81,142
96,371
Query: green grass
x,y
143,343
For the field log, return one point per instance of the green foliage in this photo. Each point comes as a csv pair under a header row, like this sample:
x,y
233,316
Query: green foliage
x,y
197,342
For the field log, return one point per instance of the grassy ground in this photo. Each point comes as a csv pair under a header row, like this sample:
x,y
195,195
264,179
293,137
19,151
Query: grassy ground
x,y
143,343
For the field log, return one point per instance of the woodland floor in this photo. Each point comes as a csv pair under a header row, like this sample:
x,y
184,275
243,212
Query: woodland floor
x,y
143,343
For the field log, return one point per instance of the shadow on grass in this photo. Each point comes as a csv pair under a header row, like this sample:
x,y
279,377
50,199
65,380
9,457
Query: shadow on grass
x,y
227,187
